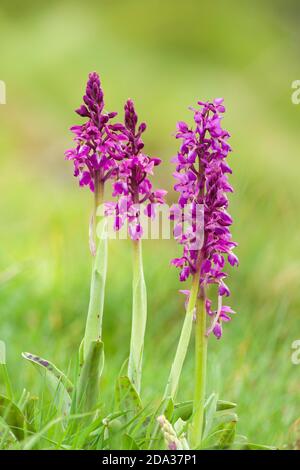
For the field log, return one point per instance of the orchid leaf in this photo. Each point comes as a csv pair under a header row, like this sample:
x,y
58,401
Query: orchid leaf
x,y
222,435
139,318
169,409
93,330
223,405
181,428
13,417
251,446
227,435
127,398
88,387
184,409
59,384
210,409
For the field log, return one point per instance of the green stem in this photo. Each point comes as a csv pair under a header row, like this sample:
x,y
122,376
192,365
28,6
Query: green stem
x,y
182,347
139,317
200,373
184,340
93,329
98,196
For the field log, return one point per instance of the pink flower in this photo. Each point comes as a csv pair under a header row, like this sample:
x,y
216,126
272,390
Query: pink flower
x,y
133,186
96,140
202,181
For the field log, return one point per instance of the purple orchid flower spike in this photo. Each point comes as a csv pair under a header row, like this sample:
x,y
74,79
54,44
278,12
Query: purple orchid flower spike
x,y
202,181
133,186
95,142
202,227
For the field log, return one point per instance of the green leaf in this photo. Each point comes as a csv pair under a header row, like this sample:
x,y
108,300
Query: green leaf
x,y
225,405
127,398
88,386
129,443
59,384
184,409
224,417
210,409
113,431
139,318
222,432
81,353
13,417
165,408
227,435
181,428
183,343
169,409
93,329
251,446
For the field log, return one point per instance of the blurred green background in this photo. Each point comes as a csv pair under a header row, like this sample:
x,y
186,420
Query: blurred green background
x,y
165,55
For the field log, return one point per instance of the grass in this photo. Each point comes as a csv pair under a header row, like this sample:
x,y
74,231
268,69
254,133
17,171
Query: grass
x,y
165,63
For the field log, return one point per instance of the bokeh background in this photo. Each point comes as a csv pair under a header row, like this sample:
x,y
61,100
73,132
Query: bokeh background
x,y
165,55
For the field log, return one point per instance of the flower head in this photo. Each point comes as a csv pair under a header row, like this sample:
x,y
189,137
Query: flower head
x,y
202,183
133,186
170,437
96,140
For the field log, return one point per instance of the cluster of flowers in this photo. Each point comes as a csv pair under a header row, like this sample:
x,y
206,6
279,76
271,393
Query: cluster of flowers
x,y
202,181
95,142
133,186
106,150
